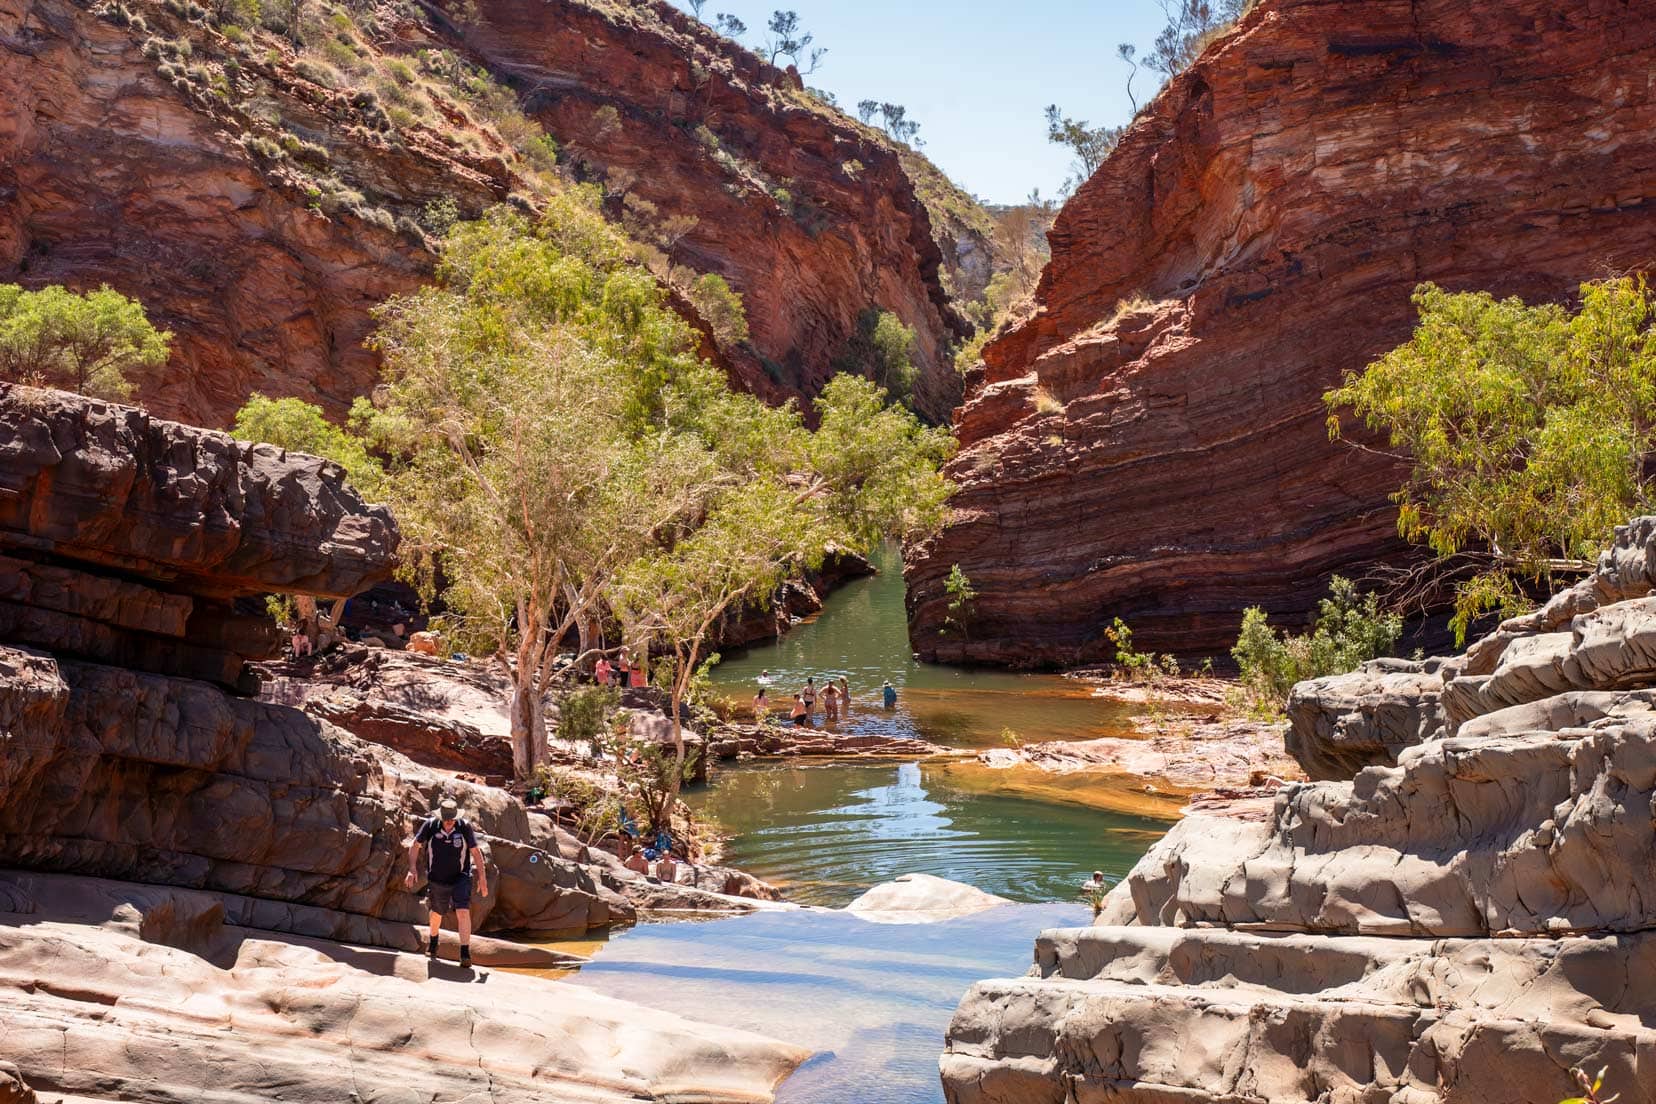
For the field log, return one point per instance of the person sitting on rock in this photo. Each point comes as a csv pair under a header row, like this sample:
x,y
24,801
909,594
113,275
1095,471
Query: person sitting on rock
x,y
455,859
636,862
666,869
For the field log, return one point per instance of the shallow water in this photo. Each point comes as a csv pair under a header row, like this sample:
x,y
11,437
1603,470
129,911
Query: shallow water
x,y
828,831
862,634
873,1000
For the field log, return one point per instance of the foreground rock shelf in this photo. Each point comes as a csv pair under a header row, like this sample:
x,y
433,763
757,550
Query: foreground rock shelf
x,y
1464,925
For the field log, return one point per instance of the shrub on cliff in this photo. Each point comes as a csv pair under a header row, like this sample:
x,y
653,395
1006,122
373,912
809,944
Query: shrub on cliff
x,y
87,343
721,308
1349,630
1528,431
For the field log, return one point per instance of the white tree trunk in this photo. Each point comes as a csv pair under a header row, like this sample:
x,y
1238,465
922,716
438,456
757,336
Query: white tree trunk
x,y
528,731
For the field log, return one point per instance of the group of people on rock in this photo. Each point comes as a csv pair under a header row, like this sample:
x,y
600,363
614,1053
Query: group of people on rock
x,y
834,696
625,672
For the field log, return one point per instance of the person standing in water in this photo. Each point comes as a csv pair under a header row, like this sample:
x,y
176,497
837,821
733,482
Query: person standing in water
x,y
845,696
890,695
761,706
799,715
830,703
809,694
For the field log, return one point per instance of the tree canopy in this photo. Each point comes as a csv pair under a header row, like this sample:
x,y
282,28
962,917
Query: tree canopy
x,y
1527,429
561,456
90,343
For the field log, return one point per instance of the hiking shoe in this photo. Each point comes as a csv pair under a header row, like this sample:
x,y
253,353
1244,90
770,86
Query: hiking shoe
x,y
465,959
431,948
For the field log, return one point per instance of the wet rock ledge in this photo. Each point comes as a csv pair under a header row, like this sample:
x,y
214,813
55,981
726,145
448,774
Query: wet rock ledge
x,y
1465,918
176,859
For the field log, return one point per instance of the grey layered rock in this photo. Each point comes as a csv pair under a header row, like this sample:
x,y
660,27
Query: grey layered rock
x,y
1458,912
1340,724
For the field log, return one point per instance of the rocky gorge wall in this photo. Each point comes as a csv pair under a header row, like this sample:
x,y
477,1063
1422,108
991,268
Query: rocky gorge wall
x,y
806,215
112,171
1463,920
1150,442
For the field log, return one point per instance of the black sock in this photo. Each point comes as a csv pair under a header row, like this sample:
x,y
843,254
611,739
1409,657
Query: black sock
x,y
431,946
465,952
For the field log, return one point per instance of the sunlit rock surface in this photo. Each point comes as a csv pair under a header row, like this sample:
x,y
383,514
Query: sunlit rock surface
x,y
1463,921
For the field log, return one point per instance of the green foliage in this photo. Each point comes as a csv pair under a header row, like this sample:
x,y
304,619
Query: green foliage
x,y
1591,1087
1090,145
298,426
721,308
595,809
1095,896
584,714
958,587
1528,428
881,349
561,451
1349,630
88,343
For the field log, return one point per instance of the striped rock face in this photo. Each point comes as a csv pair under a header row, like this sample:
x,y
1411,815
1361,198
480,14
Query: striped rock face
x,y
1150,442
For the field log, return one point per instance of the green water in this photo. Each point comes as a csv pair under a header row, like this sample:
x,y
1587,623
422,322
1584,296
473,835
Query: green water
x,y
828,831
862,635
873,1000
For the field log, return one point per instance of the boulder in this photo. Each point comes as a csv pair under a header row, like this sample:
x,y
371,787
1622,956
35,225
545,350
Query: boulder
x,y
141,777
124,538
1342,723
921,899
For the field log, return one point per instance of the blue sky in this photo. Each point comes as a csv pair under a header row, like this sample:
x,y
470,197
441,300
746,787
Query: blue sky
x,y
976,75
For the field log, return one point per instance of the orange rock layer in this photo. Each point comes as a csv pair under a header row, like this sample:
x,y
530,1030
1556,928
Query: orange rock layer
x,y
1150,443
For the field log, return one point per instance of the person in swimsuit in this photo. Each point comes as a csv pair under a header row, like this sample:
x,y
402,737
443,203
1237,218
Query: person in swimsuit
x,y
830,703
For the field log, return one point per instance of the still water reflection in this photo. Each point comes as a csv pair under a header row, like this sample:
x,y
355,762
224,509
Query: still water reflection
x,y
828,831
872,1000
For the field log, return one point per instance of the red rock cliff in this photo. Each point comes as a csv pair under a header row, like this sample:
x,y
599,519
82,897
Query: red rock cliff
x,y
1150,443
112,172
805,214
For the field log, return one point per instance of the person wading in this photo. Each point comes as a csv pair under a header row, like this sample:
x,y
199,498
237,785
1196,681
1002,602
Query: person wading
x,y
455,859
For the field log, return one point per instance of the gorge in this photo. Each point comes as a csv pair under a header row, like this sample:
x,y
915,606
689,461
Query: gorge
x,y
1415,881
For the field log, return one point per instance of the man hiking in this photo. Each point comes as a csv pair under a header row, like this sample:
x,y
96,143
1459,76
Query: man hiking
x,y
455,857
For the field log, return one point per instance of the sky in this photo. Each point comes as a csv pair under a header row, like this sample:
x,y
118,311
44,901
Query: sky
x,y
977,75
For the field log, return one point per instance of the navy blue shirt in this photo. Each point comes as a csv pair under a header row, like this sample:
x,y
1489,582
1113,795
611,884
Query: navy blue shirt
x,y
450,851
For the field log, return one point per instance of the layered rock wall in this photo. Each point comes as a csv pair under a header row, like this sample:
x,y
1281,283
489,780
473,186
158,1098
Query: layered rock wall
x,y
113,171
122,540
1150,443
811,219
1464,920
